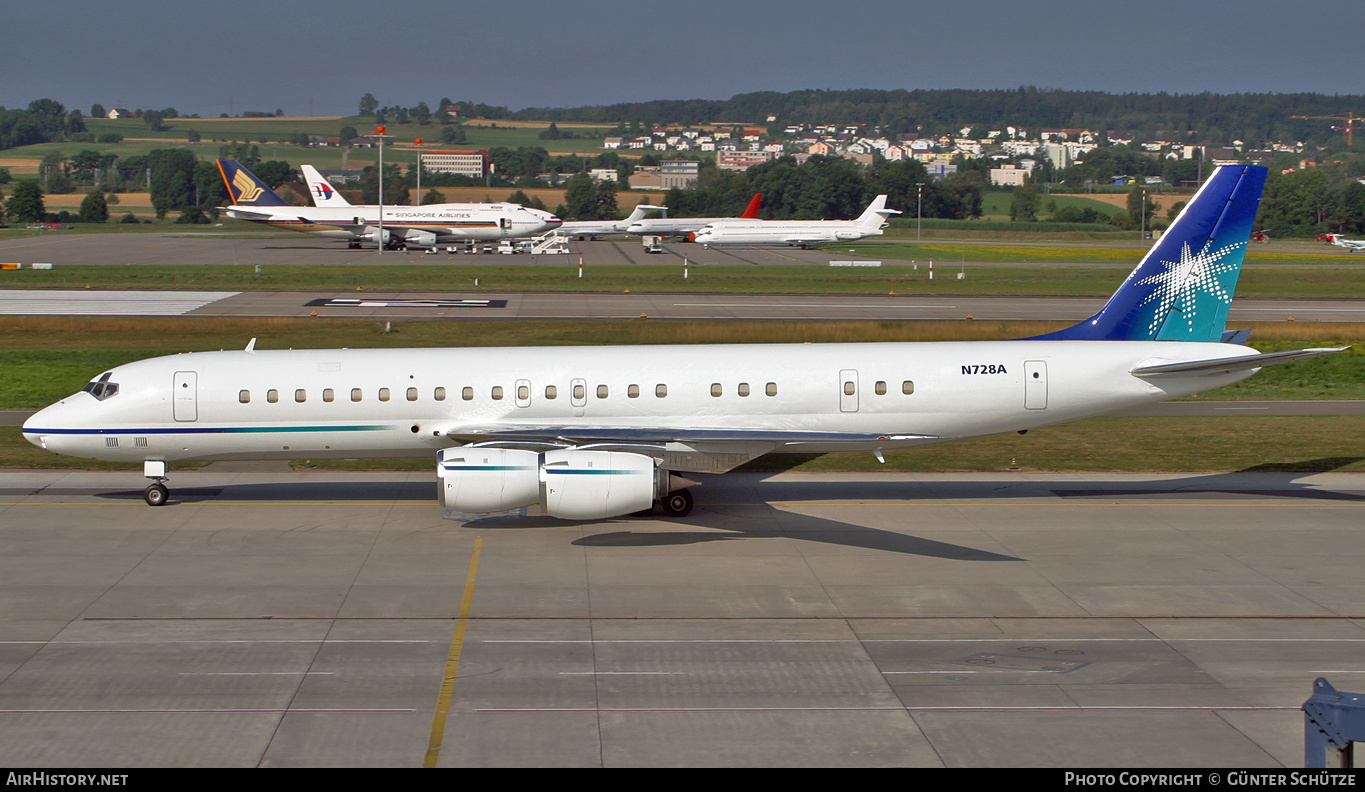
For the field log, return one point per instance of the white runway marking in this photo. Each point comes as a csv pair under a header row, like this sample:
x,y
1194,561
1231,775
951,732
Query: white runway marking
x,y
108,303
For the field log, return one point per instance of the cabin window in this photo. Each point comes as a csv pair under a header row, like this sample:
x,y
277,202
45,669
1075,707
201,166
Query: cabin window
x,y
849,388
412,394
716,389
578,391
439,394
355,394
497,393
633,391
743,389
244,396
300,395
880,388
111,442
523,392
272,395
467,394
383,394
770,389
907,387
601,391
660,390
328,394
551,391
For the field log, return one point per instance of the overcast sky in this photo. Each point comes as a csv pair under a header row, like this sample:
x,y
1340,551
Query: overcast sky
x,y
301,55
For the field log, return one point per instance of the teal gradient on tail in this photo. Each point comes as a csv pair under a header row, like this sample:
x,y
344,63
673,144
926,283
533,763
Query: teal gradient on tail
x,y
1182,289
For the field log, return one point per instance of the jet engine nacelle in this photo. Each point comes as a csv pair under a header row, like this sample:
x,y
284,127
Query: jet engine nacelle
x,y
372,234
570,484
487,479
848,235
592,485
420,238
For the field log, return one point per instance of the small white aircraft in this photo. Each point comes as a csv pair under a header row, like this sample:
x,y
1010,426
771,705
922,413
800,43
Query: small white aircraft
x,y
1353,245
403,226
592,229
797,232
683,226
590,433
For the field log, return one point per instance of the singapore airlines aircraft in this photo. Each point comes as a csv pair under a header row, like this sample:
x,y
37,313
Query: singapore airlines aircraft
x,y
796,232
668,226
415,226
594,432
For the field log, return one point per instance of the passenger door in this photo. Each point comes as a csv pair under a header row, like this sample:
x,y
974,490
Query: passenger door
x,y
185,396
848,390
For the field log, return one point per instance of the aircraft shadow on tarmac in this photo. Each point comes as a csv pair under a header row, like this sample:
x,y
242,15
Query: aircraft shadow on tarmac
x,y
755,519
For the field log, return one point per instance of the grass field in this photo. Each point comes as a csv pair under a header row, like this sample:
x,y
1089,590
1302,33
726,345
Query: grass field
x,y
460,273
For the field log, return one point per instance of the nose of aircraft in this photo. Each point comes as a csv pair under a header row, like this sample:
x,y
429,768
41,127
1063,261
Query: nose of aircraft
x,y
47,420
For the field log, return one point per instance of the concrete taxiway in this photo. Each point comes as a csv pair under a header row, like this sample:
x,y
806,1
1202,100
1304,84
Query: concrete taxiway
x,y
279,618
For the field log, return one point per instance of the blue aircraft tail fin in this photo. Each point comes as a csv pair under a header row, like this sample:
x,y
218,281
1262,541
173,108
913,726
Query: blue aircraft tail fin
x,y
1182,288
245,188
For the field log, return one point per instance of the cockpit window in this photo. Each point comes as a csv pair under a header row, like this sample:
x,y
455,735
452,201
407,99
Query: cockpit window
x,y
102,388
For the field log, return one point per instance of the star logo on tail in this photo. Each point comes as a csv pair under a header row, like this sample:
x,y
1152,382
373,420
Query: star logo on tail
x,y
1179,285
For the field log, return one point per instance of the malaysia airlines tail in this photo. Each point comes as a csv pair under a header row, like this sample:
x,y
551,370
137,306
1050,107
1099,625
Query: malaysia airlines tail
x,y
324,194
244,188
1182,289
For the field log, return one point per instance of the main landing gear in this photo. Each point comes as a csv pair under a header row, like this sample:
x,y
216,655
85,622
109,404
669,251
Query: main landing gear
x,y
156,493
677,503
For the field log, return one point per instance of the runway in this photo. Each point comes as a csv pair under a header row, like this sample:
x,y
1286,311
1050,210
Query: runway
x,y
274,618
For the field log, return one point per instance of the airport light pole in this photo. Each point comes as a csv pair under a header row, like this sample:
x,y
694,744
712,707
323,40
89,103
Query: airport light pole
x,y
919,208
418,144
379,133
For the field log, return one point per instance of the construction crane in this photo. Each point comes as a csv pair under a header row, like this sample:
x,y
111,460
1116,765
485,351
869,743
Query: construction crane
x,y
1346,128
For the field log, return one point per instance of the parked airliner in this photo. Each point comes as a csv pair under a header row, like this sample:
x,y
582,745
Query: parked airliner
x,y
591,433
592,229
682,226
415,226
797,232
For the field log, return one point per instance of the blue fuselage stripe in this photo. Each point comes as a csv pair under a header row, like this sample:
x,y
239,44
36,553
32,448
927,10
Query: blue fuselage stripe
x,y
212,430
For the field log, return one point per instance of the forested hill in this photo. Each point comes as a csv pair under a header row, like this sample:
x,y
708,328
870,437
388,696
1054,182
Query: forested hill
x,y
1218,118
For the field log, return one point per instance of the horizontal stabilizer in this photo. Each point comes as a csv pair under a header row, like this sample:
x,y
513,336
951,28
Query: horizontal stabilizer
x,y
1228,365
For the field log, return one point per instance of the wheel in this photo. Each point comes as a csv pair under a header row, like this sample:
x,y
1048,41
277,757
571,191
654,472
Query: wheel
x,y
156,494
677,504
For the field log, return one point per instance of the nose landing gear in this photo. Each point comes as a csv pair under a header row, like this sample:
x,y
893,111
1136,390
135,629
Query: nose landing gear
x,y
156,493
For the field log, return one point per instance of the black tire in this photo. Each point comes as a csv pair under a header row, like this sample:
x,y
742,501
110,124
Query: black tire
x,y
677,503
156,495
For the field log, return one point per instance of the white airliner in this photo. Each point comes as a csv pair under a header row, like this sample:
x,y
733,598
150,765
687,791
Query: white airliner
x,y
414,226
1353,245
797,232
590,433
592,229
682,226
